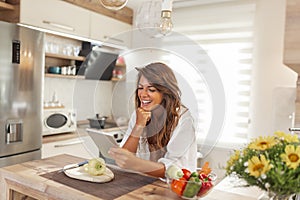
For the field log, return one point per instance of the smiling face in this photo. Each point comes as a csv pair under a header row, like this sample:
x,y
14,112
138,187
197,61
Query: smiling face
x,y
148,95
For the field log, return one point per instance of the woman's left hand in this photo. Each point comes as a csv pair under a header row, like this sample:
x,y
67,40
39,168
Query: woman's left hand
x,y
124,158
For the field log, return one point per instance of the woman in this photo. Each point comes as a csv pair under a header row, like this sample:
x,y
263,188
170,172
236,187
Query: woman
x,y
160,131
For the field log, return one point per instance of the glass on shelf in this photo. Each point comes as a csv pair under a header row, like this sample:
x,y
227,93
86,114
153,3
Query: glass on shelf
x,y
76,50
51,47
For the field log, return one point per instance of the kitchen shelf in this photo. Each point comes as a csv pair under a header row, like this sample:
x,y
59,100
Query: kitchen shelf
x,y
66,57
116,79
63,76
6,6
53,107
120,65
74,77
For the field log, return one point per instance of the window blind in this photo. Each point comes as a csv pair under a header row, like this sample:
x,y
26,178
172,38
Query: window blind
x,y
225,30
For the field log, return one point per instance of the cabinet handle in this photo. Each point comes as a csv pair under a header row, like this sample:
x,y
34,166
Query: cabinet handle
x,y
69,28
112,38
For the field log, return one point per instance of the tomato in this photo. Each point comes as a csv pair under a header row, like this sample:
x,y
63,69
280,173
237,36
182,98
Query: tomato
x,y
204,177
206,186
178,185
186,173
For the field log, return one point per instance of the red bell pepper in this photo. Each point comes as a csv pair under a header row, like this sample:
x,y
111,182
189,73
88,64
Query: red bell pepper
x,y
186,173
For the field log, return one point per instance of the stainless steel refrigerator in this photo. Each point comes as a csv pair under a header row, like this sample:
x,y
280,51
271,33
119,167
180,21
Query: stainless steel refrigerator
x,y
21,84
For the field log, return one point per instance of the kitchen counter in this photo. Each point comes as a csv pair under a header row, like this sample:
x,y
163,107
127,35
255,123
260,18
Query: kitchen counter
x,y
81,132
77,143
27,180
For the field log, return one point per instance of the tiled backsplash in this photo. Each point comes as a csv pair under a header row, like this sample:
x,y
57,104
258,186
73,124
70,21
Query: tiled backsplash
x,y
86,96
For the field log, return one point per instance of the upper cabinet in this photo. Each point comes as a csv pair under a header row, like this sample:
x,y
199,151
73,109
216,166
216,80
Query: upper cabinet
x,y
292,35
56,15
87,19
109,30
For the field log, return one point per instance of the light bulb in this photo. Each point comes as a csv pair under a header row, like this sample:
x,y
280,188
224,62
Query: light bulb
x,y
114,4
166,24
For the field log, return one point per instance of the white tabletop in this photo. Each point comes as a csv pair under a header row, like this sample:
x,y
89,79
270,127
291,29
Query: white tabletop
x,y
231,189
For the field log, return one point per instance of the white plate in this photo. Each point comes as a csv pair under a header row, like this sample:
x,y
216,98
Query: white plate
x,y
79,173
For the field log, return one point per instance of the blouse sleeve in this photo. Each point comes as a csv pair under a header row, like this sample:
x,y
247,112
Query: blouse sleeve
x,y
182,147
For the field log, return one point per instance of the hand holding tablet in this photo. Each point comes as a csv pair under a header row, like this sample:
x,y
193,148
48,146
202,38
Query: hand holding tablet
x,y
104,141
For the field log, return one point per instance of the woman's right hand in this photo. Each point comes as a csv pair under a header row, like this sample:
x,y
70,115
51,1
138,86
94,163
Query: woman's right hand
x,y
142,117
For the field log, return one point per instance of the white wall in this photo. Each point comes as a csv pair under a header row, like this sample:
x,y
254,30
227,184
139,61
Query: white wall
x,y
271,78
88,97
273,86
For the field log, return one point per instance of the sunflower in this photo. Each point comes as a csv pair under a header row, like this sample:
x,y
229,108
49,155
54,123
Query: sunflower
x,y
287,137
270,163
291,156
263,143
233,158
258,165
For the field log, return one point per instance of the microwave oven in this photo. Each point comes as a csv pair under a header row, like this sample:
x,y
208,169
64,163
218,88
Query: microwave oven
x,y
58,120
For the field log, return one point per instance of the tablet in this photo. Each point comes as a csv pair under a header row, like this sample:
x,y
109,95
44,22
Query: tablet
x,y
104,141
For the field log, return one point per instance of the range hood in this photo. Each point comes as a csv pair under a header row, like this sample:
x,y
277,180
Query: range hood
x,y
99,64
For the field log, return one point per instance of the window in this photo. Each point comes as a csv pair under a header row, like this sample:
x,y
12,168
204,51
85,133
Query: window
x,y
224,29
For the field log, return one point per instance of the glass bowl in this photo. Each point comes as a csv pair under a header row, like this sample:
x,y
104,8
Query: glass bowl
x,y
193,188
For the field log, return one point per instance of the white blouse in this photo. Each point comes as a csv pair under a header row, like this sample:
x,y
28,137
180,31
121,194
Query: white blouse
x,y
181,149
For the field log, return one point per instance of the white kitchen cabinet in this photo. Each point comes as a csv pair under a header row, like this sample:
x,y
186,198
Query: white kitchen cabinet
x,y
109,30
55,15
82,146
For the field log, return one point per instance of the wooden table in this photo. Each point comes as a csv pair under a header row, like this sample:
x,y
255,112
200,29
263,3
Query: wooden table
x,y
25,180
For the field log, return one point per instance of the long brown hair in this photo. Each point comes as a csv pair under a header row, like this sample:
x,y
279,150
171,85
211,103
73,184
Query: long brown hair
x,y
165,117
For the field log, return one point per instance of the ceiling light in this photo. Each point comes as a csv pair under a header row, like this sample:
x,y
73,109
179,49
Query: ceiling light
x,y
114,4
166,24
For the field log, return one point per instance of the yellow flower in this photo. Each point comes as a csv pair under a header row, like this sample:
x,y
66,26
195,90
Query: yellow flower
x,y
287,137
233,158
258,166
263,143
291,156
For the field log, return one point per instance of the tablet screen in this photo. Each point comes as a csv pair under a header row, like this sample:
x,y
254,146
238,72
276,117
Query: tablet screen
x,y
104,141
